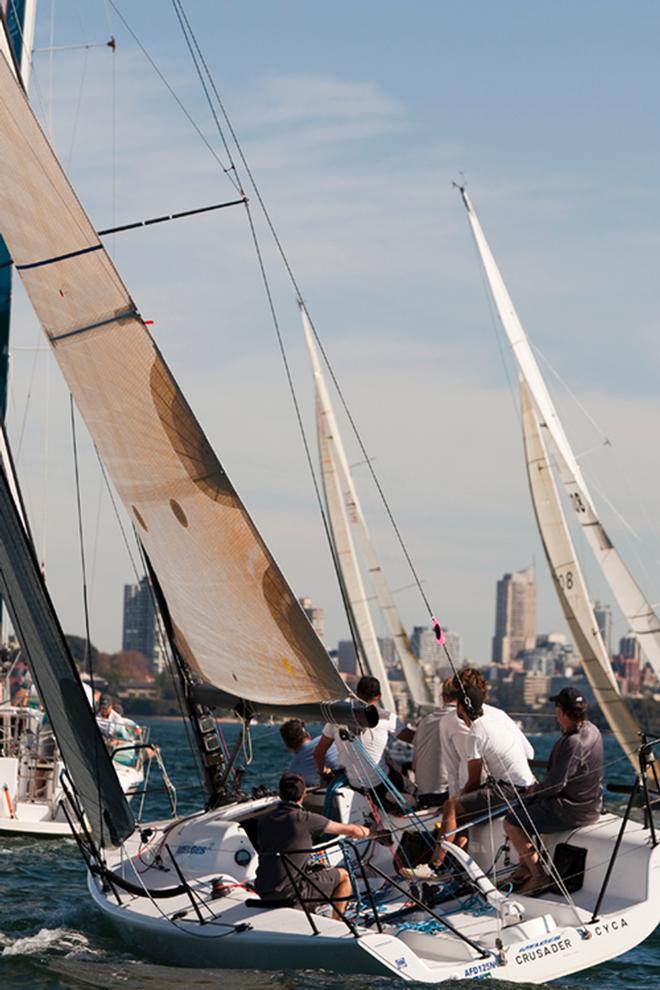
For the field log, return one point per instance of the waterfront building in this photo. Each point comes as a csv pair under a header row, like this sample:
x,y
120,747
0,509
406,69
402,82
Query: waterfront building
x,y
140,623
515,615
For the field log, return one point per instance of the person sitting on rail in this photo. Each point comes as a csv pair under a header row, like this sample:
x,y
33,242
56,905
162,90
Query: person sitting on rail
x,y
496,748
571,794
288,828
363,755
298,741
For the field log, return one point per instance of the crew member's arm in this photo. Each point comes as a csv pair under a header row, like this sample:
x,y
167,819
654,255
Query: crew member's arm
x,y
562,767
353,831
474,776
322,747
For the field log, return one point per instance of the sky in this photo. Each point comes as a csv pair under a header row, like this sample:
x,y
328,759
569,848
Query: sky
x,y
355,119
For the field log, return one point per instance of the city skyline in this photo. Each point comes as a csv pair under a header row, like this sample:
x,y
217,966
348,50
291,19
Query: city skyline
x,y
356,157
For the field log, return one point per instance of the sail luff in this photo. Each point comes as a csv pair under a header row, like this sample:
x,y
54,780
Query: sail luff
x,y
346,559
635,607
237,624
569,582
412,669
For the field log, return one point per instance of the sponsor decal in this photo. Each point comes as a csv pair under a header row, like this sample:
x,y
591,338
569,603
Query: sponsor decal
x,y
192,850
480,971
607,927
539,950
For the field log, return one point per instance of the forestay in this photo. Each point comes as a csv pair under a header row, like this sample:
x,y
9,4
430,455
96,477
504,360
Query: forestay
x,y
336,474
570,585
236,622
637,610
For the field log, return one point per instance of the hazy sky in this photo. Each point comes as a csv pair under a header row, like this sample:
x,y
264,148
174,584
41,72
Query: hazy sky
x,y
355,118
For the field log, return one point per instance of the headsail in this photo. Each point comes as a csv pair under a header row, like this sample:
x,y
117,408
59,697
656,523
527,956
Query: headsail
x,y
236,622
637,610
569,582
57,680
335,465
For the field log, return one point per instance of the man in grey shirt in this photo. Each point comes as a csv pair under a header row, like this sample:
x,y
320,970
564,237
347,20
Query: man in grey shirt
x,y
571,794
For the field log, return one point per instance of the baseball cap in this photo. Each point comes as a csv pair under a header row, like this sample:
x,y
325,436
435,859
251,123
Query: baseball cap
x,y
570,699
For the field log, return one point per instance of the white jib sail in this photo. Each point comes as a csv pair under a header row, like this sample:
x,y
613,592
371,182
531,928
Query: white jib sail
x,y
236,621
569,582
636,609
412,669
344,550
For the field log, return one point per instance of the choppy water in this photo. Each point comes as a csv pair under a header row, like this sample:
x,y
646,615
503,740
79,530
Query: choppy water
x,y
52,938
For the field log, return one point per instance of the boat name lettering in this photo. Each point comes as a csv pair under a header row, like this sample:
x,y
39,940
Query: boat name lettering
x,y
189,850
481,970
540,949
610,926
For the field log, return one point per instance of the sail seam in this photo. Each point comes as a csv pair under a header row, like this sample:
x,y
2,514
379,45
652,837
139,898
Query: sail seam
x,y
58,257
94,326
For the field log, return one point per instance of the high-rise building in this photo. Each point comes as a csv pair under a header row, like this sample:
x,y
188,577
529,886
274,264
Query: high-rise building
x,y
603,616
388,651
315,615
515,615
346,657
140,630
630,646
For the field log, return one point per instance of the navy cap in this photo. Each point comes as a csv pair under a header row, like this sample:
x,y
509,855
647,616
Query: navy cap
x,y
570,699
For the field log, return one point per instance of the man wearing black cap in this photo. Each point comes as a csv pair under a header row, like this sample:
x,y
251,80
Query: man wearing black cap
x,y
287,828
571,794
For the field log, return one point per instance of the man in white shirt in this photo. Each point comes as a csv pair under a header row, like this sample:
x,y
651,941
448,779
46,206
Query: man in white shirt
x,y
435,756
362,754
496,747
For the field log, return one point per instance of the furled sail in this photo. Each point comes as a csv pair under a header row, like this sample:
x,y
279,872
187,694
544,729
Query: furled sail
x,y
637,610
56,678
235,620
569,582
336,470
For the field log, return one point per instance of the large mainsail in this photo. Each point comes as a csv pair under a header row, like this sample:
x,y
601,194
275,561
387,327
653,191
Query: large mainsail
x,y
234,618
337,477
569,582
637,610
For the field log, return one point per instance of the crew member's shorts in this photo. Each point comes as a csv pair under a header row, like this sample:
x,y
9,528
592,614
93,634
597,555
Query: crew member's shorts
x,y
492,798
319,884
541,813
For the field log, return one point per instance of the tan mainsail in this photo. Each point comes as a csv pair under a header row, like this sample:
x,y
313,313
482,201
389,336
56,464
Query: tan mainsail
x,y
569,582
236,621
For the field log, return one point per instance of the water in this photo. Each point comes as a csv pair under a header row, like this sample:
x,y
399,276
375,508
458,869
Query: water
x,y
52,938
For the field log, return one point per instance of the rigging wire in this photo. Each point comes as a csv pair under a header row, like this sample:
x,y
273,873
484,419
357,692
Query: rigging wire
x,y
88,642
196,53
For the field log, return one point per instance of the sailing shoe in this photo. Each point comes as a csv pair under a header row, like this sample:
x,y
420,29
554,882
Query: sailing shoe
x,y
534,886
422,872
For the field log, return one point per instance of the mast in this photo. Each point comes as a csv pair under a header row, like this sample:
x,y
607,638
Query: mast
x,y
634,605
569,582
334,465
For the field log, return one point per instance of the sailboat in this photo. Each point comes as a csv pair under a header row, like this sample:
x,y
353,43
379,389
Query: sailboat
x,y
345,514
542,433
180,890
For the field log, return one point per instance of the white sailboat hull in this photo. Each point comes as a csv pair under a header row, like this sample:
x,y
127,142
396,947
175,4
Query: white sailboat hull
x,y
550,940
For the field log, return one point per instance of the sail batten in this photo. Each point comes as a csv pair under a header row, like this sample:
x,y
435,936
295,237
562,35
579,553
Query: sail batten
x,y
636,609
236,622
